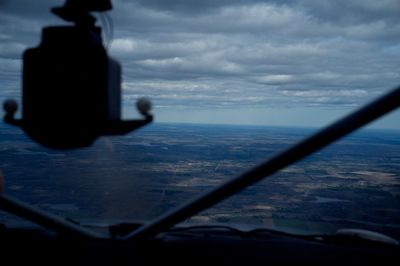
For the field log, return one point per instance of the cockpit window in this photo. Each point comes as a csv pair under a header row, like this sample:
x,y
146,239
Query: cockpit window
x,y
232,83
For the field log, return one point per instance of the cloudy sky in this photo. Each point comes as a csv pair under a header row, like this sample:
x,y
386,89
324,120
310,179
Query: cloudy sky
x,y
293,63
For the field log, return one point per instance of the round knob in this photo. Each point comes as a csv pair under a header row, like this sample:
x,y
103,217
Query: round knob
x,y
10,106
144,105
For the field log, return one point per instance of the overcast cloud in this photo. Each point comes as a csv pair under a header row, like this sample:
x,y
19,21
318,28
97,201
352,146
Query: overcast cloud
x,y
206,61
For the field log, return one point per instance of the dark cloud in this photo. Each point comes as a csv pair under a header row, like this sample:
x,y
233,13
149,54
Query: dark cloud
x,y
38,10
190,6
342,11
352,12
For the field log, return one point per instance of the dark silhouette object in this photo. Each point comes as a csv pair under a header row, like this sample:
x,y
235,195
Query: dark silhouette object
x,y
71,87
77,11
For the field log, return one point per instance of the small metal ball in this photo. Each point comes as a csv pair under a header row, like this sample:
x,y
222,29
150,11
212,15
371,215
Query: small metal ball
x,y
10,106
144,105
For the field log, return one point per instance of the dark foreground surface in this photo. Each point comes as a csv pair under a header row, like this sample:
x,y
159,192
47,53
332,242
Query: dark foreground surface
x,y
193,247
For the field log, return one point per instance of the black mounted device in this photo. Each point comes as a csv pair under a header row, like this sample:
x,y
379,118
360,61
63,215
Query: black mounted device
x,y
71,87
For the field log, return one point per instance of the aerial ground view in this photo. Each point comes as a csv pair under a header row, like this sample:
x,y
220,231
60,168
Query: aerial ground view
x,y
352,183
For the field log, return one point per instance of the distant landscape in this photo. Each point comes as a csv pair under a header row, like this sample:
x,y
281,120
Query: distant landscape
x,y
355,182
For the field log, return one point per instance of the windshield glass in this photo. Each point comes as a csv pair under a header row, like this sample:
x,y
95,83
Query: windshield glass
x,y
232,83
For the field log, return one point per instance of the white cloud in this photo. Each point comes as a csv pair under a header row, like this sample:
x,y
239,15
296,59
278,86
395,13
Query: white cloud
x,y
274,79
258,17
123,45
165,63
